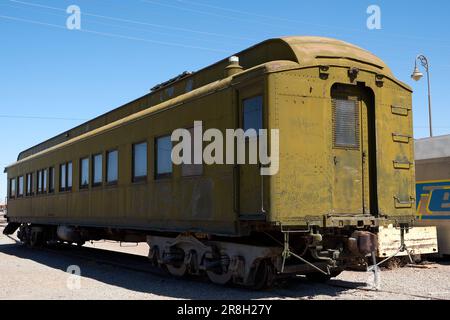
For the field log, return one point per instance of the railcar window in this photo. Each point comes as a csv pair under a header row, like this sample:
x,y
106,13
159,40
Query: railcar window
x,y
188,170
345,123
20,187
139,161
44,180
97,170
84,174
12,188
65,177
51,173
29,189
112,166
253,113
163,157
69,176
62,177
39,181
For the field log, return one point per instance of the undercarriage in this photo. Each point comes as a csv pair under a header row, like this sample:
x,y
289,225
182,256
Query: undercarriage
x,y
255,261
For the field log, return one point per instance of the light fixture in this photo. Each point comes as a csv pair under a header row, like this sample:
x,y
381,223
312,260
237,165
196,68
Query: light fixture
x,y
417,75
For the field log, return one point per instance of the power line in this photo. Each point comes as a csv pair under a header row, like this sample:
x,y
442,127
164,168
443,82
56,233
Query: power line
x,y
156,32
353,30
258,15
39,117
224,9
115,25
204,12
247,13
134,21
113,35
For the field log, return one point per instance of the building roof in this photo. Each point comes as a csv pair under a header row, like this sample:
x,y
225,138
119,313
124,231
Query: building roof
x,y
432,148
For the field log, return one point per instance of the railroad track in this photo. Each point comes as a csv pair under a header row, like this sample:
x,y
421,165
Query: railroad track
x,y
142,264
139,263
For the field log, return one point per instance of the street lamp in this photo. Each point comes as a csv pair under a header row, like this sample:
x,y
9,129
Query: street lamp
x,y
417,75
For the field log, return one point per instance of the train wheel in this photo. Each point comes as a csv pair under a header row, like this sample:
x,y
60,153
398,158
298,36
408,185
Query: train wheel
x,y
221,274
192,263
264,275
37,237
34,241
154,256
220,278
24,234
177,267
177,271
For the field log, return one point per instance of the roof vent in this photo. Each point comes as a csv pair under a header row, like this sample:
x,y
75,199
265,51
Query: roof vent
x,y
171,81
233,66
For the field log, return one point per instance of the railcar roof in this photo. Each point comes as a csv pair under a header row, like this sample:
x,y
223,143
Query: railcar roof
x,y
313,50
304,50
432,148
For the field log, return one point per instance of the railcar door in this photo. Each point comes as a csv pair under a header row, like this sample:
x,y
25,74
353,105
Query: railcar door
x,y
352,147
250,180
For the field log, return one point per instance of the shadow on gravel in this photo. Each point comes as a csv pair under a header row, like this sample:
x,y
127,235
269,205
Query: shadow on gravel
x,y
444,260
135,273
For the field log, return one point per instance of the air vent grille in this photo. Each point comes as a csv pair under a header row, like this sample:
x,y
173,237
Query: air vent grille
x,y
345,123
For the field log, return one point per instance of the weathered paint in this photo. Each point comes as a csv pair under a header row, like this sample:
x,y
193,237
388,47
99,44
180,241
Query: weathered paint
x,y
306,185
295,76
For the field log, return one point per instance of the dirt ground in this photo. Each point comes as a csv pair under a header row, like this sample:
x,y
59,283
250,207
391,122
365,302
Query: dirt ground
x,y
110,270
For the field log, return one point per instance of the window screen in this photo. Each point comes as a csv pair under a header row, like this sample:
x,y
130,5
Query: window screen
x,y
345,124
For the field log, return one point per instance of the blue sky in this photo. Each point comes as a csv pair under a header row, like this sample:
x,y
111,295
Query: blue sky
x,y
52,78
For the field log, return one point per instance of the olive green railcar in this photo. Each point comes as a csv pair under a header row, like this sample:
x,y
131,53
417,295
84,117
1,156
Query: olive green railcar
x,y
345,168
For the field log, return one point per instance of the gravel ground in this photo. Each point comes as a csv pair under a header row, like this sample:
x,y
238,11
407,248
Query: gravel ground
x,y
41,274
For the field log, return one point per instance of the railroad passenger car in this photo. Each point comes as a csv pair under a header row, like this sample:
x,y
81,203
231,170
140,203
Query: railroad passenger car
x,y
433,187
346,167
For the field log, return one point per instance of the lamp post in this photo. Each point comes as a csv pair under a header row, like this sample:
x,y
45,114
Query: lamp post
x,y
417,75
